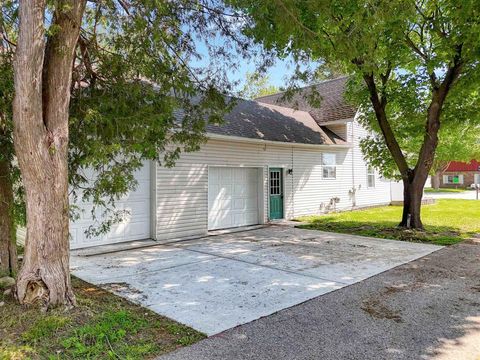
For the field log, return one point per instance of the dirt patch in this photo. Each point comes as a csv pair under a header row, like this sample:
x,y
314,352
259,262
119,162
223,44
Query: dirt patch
x,y
377,307
123,288
379,310
476,288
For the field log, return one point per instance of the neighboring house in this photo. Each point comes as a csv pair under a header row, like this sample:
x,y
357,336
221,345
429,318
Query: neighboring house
x,y
461,175
267,162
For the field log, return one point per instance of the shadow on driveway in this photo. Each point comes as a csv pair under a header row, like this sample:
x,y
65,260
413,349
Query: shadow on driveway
x,y
426,309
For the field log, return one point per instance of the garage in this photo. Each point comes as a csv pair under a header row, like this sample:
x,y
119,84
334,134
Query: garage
x,y
233,197
136,217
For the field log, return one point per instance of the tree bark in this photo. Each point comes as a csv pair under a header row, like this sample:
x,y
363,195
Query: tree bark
x,y
8,246
40,114
439,168
414,179
436,180
412,204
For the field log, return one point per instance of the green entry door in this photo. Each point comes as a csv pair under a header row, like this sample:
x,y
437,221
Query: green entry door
x,y
276,193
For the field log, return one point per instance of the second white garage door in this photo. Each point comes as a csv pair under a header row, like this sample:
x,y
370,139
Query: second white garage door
x,y
232,197
136,217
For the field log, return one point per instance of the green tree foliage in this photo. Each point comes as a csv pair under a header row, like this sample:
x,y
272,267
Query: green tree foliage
x,y
459,135
142,89
257,85
413,65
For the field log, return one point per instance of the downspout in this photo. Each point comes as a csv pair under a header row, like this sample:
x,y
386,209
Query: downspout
x,y
354,200
153,199
293,193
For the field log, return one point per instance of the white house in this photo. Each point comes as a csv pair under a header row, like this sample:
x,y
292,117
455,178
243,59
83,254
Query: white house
x,y
267,162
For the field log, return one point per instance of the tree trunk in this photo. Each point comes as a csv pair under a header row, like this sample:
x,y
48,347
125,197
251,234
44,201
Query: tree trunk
x,y
436,180
414,179
412,203
8,247
40,114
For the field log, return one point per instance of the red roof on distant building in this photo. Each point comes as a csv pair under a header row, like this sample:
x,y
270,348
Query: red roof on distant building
x,y
473,165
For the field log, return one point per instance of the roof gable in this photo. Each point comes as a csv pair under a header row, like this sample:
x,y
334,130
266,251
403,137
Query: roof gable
x,y
333,106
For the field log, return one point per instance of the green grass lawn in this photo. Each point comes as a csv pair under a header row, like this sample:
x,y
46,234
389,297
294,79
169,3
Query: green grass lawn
x,y
446,222
102,326
444,190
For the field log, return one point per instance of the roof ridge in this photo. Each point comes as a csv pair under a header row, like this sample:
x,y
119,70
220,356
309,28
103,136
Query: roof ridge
x,y
304,87
281,107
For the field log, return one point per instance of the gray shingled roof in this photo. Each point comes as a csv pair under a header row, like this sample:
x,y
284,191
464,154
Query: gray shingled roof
x,y
333,106
254,120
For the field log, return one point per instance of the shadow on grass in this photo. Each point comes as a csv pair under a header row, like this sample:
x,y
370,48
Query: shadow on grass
x,y
439,235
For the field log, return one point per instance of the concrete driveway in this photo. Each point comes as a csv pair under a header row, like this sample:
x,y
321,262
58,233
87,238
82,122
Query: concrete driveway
x,y
216,283
465,195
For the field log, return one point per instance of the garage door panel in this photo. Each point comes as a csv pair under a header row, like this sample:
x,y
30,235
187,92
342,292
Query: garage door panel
x,y
135,230
251,217
222,219
142,191
232,197
238,204
252,204
135,211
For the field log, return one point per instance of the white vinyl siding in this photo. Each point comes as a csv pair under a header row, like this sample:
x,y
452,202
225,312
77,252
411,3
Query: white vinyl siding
x,y
477,179
313,193
182,191
363,195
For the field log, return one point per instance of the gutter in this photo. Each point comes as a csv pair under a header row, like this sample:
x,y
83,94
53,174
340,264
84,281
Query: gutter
x,y
336,122
277,143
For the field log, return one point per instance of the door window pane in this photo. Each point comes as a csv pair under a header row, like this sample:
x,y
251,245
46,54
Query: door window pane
x,y
275,183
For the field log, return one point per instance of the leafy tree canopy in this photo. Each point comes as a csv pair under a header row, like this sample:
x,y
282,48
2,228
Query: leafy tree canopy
x,y
257,85
141,89
414,66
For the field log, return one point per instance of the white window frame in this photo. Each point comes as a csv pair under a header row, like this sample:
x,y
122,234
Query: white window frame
x,y
370,176
331,168
447,180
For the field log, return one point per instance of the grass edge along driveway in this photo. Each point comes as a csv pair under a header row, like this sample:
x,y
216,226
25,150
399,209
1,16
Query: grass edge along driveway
x,y
102,326
446,222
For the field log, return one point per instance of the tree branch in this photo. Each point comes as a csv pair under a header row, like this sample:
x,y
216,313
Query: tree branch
x,y
432,126
412,45
389,136
295,19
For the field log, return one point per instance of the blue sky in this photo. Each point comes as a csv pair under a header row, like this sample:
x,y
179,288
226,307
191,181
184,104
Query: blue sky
x,y
277,75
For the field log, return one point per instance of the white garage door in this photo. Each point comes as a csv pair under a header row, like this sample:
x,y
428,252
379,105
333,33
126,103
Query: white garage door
x,y
232,197
136,218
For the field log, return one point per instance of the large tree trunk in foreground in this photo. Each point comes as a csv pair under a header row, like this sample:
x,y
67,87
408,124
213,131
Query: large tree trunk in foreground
x,y
8,247
40,114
